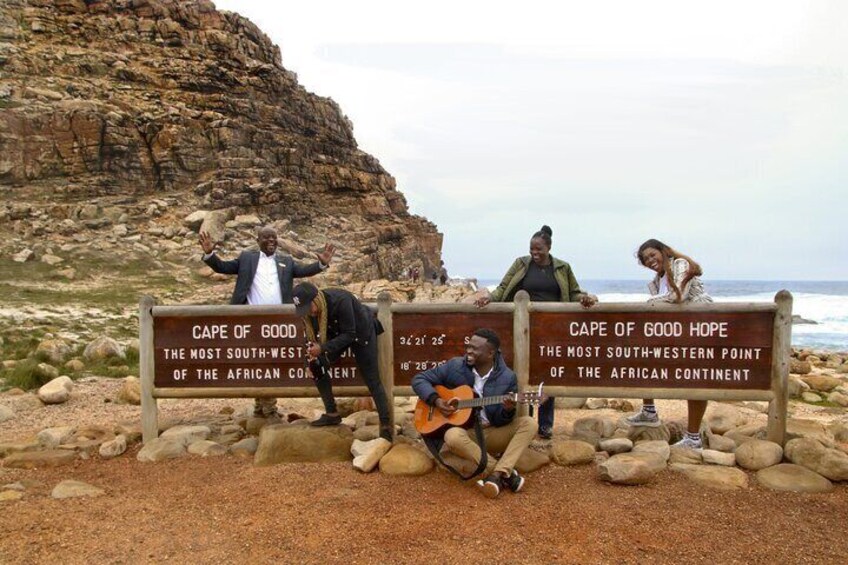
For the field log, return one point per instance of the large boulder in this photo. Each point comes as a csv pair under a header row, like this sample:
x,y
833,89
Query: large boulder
x,y
812,454
794,478
104,348
299,444
722,418
367,454
602,427
407,460
799,367
713,476
647,433
685,455
160,449
39,459
531,460
56,391
758,454
822,383
245,448
631,468
53,350
572,452
721,443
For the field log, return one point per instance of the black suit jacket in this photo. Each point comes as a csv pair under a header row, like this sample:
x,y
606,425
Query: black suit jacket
x,y
245,267
348,322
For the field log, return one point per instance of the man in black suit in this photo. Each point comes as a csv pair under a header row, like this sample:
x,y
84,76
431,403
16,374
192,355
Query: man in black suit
x,y
335,321
264,277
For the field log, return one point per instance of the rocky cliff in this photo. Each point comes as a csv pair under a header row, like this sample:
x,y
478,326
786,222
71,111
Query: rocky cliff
x,y
121,118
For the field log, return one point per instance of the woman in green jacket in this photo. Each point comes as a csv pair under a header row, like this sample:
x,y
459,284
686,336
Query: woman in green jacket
x,y
546,279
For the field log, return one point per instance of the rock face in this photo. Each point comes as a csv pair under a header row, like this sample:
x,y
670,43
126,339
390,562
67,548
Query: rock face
x,y
120,118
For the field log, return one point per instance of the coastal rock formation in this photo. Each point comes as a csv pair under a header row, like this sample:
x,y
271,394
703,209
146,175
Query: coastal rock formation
x,y
121,118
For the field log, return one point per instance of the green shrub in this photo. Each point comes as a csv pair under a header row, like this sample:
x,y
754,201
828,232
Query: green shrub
x,y
23,375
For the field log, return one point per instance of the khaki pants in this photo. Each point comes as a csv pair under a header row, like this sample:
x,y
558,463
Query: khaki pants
x,y
510,441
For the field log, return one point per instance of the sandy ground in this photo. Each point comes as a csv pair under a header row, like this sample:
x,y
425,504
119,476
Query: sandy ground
x,y
224,509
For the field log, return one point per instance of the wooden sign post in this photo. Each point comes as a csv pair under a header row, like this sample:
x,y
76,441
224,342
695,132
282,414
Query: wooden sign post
x,y
717,351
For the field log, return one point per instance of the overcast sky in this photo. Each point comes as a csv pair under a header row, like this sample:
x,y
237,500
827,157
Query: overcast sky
x,y
720,128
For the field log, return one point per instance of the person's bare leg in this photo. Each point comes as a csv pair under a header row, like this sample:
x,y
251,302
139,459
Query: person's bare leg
x,y
696,415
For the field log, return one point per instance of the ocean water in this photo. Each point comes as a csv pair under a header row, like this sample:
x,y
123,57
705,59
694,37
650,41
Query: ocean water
x,y
824,302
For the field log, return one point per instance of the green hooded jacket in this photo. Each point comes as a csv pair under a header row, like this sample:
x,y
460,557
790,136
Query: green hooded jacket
x,y
569,289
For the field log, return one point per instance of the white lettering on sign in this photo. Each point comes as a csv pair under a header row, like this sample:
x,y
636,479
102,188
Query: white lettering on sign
x,y
662,329
589,372
708,329
210,331
278,331
588,328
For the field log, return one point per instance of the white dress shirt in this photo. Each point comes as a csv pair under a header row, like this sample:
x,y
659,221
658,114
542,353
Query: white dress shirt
x,y
266,283
479,383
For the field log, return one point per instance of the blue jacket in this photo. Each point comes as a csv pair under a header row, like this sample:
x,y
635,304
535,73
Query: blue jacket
x,y
456,372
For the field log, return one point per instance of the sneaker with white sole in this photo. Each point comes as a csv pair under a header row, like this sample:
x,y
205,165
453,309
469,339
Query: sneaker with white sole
x,y
689,443
491,486
514,481
642,418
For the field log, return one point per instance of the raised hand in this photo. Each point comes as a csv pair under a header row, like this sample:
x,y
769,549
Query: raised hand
x,y
588,300
327,255
483,300
206,243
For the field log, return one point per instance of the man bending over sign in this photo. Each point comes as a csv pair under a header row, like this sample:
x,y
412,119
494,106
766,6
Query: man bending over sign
x,y
483,369
335,321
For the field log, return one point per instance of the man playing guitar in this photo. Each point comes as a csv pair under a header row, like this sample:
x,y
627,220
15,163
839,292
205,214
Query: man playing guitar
x,y
484,369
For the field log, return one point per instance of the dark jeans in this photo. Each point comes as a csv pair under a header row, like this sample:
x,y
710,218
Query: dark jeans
x,y
366,361
546,414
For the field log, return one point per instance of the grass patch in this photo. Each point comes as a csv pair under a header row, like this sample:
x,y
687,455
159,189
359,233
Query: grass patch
x,y
24,375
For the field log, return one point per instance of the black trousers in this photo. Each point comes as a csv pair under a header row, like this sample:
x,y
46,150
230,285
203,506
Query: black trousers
x,y
365,355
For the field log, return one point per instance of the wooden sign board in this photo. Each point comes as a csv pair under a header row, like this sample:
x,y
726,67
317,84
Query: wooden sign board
x,y
423,341
237,351
652,349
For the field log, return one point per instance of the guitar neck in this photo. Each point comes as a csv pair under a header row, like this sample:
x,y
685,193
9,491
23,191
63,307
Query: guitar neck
x,y
482,401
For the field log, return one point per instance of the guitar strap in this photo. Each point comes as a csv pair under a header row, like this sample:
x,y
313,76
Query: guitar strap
x,y
434,444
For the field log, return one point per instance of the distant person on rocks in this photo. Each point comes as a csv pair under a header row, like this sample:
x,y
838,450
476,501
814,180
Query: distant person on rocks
x,y
264,277
443,273
676,281
546,279
415,273
335,321
483,369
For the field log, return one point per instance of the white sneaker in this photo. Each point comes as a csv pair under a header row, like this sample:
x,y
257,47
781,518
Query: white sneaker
x,y
689,443
642,418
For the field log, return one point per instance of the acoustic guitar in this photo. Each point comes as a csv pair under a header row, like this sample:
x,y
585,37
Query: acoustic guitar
x,y
429,420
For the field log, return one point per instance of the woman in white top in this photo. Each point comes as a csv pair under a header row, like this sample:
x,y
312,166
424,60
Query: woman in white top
x,y
676,281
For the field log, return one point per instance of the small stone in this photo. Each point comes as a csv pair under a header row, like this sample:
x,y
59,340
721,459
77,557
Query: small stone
x,y
186,434
45,372
722,418
245,448
52,350
130,391
713,457
161,449
367,454
51,259
812,454
50,438
721,443
6,413
73,489
56,391
75,365
113,448
103,348
658,447
822,383
810,397
531,460
685,455
838,398
602,427
596,403
616,446
206,448
23,256
9,495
